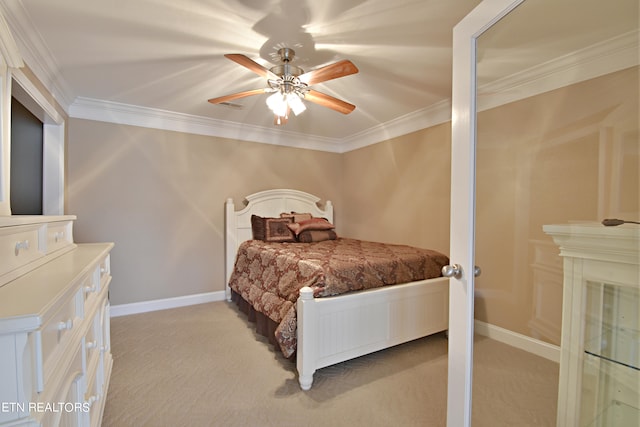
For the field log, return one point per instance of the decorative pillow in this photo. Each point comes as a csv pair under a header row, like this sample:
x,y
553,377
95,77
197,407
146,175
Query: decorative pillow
x,y
311,224
297,217
276,230
309,236
258,227
271,229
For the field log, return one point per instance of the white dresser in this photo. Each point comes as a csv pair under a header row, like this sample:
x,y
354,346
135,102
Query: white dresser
x,y
600,351
55,357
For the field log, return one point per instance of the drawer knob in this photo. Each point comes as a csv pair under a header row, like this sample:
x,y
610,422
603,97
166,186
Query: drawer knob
x,y
21,245
90,401
65,325
89,289
58,236
92,344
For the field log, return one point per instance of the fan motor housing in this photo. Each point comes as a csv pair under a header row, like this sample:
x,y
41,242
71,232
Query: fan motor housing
x,y
286,70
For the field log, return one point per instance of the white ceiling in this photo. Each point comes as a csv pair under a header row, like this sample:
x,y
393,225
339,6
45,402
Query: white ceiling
x,y
166,56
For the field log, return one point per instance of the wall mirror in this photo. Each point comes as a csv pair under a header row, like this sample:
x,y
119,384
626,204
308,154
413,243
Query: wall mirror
x,y
557,142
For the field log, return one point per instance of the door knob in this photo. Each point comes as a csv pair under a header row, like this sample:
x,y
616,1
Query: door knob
x,y
477,271
454,270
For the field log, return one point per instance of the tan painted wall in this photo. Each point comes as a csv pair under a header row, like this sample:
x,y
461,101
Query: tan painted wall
x,y
398,191
160,197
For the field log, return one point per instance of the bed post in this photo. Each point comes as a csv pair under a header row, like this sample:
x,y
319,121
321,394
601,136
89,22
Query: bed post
x,y
231,244
328,207
306,351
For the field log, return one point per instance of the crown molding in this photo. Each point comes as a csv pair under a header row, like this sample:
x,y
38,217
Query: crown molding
x,y
35,53
602,58
125,114
9,51
435,114
133,115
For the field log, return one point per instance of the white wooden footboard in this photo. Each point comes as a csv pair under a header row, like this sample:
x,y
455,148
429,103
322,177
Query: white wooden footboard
x,y
335,329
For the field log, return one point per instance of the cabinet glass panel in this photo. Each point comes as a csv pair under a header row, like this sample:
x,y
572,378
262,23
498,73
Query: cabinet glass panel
x,y
611,362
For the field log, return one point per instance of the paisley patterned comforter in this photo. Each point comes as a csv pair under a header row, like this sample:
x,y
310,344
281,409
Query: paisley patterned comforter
x,y
269,275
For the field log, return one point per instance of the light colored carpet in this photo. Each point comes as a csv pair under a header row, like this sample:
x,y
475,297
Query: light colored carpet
x,y
204,365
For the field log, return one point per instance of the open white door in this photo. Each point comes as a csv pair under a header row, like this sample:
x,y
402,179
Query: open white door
x,y
463,156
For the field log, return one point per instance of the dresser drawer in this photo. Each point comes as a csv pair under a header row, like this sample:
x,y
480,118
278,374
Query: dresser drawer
x,y
105,266
105,350
20,245
59,235
96,373
93,402
94,287
93,344
106,326
56,333
62,404
91,288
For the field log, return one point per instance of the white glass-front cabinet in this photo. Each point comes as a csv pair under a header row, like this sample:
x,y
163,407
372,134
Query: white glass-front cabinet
x,y
600,350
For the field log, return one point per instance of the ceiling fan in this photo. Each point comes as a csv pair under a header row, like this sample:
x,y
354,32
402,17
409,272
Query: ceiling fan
x,y
289,85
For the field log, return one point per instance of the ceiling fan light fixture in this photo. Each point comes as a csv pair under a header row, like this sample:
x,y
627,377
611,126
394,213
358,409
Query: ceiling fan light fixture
x,y
295,103
280,103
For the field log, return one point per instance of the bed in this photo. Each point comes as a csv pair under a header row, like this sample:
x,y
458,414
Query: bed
x,y
336,328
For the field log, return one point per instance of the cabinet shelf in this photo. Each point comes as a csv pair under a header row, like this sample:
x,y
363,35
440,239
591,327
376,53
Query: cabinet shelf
x,y
616,345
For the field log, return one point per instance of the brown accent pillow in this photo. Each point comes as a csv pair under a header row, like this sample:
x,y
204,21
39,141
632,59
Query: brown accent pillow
x,y
297,217
309,236
271,229
276,230
311,224
258,227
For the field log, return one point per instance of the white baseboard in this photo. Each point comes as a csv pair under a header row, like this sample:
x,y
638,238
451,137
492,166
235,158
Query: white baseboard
x,y
523,342
163,304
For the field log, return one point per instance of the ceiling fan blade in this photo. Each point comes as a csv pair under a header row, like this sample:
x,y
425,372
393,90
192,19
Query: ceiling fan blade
x,y
329,72
233,96
329,101
251,65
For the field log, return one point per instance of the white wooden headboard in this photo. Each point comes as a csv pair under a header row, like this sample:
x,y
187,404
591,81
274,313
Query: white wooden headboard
x,y
269,203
